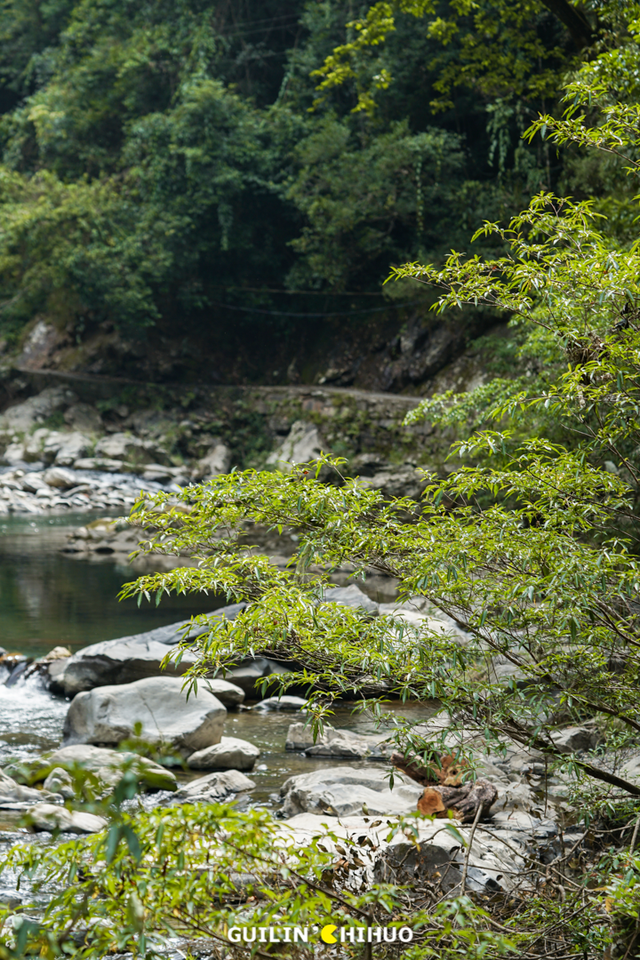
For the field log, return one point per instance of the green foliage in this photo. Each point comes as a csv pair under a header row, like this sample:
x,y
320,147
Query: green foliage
x,y
198,871
499,49
163,160
364,204
534,553
531,546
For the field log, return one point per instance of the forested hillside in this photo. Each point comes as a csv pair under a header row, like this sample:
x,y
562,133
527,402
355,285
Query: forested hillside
x,y
199,186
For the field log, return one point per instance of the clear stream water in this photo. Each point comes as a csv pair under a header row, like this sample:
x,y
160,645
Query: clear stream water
x,y
47,599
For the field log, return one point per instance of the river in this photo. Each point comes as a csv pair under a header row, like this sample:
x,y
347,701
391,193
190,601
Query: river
x,y
47,599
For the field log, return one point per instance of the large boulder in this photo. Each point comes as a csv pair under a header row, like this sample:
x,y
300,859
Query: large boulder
x,y
230,754
107,715
50,817
345,791
23,416
128,659
107,765
117,662
217,460
214,787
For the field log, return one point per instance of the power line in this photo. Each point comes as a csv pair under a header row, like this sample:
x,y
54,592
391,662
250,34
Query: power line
x,y
342,313
304,293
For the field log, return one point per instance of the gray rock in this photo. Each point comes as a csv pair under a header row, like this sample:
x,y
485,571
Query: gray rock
x,y
161,474
367,465
344,791
33,445
108,715
107,766
214,787
83,417
523,826
116,662
351,596
60,478
248,673
131,449
14,454
227,693
284,702
49,817
216,461
436,855
403,480
98,463
72,447
631,768
32,482
517,798
336,744
12,792
302,445
128,659
123,446
59,781
576,739
230,754
23,416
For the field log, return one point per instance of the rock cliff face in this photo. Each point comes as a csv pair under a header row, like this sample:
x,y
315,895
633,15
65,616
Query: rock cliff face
x,y
388,348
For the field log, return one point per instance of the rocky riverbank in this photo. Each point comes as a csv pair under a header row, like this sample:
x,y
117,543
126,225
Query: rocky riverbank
x,y
523,830
120,693
61,452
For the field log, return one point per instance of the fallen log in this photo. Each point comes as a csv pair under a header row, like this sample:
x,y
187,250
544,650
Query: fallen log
x,y
445,795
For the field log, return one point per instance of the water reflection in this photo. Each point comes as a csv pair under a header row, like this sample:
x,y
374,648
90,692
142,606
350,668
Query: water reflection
x,y
47,598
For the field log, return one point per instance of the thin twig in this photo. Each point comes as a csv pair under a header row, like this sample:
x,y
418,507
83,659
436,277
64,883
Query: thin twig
x,y
468,853
635,836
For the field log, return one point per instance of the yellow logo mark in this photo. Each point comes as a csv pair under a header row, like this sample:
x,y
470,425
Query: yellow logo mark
x,y
326,934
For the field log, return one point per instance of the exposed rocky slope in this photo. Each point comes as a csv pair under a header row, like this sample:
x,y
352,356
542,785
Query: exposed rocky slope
x,y
400,349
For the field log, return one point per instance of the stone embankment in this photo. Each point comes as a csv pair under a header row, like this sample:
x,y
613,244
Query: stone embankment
x,y
60,452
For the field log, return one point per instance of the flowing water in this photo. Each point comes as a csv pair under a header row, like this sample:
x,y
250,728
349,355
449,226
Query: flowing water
x,y
47,598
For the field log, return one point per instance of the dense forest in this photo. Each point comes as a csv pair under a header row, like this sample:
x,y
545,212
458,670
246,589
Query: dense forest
x,y
189,174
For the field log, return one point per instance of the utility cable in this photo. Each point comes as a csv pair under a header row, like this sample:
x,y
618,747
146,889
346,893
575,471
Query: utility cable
x,y
342,313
